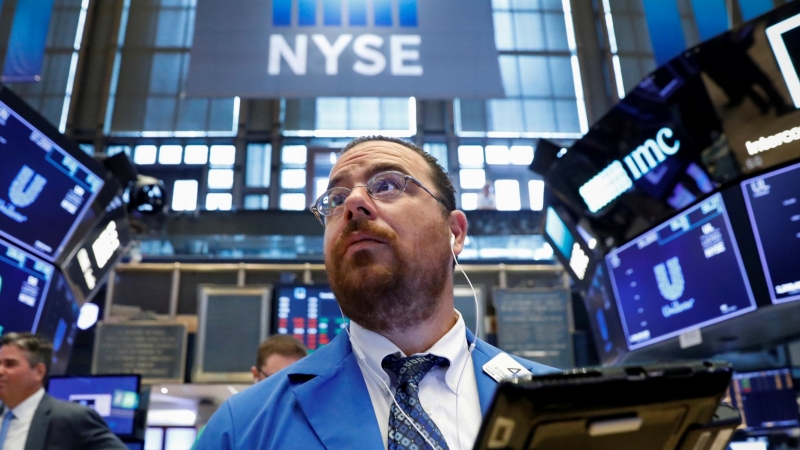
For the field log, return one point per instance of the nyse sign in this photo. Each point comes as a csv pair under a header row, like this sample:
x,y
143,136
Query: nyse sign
x,y
309,48
404,54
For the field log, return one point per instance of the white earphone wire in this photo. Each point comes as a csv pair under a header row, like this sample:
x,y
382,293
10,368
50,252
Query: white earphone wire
x,y
471,348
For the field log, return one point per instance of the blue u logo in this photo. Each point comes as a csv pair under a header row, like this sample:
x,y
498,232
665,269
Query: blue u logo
x,y
23,191
671,286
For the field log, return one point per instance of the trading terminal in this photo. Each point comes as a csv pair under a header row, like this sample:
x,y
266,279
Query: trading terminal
x,y
628,169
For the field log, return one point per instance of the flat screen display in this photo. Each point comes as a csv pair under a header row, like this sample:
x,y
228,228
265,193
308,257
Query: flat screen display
x,y
44,192
100,250
309,313
24,282
773,206
114,397
604,318
765,399
59,321
686,273
568,246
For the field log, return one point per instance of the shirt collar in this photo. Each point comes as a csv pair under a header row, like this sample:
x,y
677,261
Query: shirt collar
x,y
453,346
24,411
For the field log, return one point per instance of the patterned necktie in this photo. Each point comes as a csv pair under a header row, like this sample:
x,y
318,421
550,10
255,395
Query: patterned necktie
x,y
4,428
402,434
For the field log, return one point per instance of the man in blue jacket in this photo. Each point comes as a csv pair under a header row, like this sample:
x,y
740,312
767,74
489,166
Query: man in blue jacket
x,y
408,374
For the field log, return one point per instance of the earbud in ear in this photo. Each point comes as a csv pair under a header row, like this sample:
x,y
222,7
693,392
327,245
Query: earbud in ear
x,y
452,239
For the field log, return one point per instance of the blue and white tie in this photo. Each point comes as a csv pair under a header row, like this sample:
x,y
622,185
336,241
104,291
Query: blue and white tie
x,y
402,434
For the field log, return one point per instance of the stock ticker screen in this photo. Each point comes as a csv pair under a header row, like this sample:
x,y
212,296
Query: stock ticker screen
x,y
765,399
114,397
24,282
774,211
685,273
309,313
44,191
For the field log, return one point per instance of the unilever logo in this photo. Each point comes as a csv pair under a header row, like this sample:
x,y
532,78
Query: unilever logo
x,y
671,284
24,190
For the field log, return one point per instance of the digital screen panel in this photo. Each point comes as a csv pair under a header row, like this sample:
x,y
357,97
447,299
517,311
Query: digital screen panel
x,y
765,399
58,322
309,313
772,204
604,318
44,191
115,397
99,251
684,274
568,245
24,282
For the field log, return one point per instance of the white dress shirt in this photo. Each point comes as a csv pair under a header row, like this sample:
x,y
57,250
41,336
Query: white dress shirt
x,y
439,389
23,416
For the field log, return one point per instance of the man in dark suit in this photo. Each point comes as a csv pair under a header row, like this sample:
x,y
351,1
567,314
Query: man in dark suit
x,y
33,420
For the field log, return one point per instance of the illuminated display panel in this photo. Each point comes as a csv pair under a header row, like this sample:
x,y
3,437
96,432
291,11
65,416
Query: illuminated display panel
x,y
309,313
774,211
114,397
24,282
765,399
44,192
684,274
100,250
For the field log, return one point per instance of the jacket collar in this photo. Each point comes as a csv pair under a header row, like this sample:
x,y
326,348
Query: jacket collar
x,y
329,384
39,424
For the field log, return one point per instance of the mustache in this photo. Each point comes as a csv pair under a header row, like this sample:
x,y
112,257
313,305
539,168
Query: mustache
x,y
366,226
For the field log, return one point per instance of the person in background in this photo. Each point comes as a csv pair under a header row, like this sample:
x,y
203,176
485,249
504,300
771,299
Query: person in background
x,y
276,353
487,199
33,420
407,373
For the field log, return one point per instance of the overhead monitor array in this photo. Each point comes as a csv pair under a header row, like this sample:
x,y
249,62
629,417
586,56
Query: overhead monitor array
x,y
62,227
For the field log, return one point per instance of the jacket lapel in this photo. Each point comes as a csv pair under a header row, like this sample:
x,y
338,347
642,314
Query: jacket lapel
x,y
486,384
40,423
337,390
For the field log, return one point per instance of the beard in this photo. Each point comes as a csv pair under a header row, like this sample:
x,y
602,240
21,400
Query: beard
x,y
389,297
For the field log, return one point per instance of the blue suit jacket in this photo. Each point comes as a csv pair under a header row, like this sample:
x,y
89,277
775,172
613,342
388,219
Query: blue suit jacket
x,y
320,402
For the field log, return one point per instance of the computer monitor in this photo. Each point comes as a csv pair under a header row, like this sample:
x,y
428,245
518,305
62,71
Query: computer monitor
x,y
114,397
766,399
309,313
45,190
683,274
101,248
58,322
24,282
604,319
569,247
773,205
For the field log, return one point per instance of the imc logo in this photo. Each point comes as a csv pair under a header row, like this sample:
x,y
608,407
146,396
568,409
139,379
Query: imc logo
x,y
366,51
614,181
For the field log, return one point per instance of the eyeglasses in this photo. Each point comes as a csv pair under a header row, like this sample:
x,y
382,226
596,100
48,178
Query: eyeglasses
x,y
383,186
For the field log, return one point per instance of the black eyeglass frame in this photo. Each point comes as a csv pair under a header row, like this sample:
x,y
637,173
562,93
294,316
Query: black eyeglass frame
x,y
319,214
